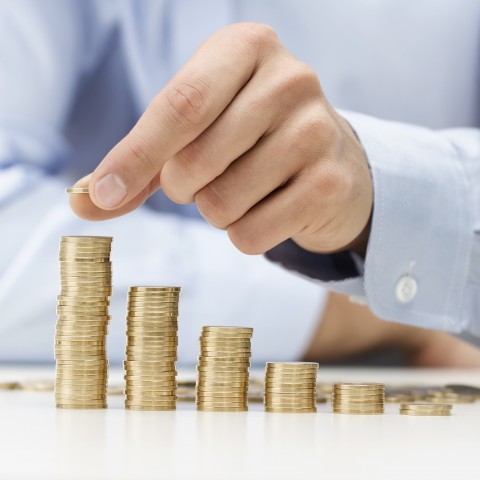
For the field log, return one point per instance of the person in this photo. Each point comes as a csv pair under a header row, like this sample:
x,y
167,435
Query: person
x,y
245,130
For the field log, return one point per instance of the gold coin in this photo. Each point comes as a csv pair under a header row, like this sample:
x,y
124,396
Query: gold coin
x,y
148,408
359,386
292,391
227,361
432,413
292,365
221,409
426,406
146,358
357,411
9,386
77,190
87,406
151,364
205,385
155,289
239,354
290,410
151,394
211,335
220,389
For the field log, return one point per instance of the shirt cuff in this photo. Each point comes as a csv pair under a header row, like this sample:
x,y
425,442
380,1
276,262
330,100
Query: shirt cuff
x,y
419,251
417,260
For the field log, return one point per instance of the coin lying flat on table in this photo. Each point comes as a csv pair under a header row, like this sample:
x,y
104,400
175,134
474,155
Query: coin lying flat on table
x,y
77,190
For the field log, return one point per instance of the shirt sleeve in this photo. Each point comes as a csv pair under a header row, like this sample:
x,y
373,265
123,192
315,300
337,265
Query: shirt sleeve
x,y
422,265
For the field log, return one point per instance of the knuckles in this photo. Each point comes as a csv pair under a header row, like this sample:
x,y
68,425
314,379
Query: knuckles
x,y
187,104
245,240
213,207
256,37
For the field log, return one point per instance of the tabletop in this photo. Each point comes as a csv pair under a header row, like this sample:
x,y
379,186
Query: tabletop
x,y
38,441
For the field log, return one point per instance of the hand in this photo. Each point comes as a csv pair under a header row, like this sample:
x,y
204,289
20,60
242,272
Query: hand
x,y
245,131
347,329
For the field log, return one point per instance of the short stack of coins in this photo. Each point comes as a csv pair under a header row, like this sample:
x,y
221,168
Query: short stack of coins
x,y
152,340
358,398
223,369
82,309
426,409
291,387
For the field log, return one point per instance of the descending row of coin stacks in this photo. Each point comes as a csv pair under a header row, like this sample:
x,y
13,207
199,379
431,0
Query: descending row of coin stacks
x,y
151,353
80,337
358,399
291,387
426,409
223,369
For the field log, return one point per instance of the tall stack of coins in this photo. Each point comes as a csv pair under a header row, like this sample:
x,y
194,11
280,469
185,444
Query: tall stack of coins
x,y
358,399
80,338
291,387
151,353
426,409
223,365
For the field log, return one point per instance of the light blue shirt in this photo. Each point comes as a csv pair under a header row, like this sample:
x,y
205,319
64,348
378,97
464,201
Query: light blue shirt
x,y
75,75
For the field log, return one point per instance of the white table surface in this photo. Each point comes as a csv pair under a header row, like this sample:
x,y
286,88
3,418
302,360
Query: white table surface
x,y
38,441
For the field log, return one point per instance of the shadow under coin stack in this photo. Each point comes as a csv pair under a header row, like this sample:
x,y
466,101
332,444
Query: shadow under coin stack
x,y
291,387
152,341
223,364
358,399
82,309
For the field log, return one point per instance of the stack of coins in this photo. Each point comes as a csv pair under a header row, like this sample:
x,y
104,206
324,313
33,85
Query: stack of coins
x,y
426,409
358,399
151,353
80,339
223,369
291,387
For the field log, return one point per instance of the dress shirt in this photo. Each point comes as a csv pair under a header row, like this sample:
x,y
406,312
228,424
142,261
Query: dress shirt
x,y
75,76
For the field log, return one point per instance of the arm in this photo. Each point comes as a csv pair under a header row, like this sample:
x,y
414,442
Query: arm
x,y
348,329
245,131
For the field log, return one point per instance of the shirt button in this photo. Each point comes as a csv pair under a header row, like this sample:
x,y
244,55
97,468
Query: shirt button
x,y
406,289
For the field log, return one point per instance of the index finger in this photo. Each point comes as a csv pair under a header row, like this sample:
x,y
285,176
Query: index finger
x,y
188,104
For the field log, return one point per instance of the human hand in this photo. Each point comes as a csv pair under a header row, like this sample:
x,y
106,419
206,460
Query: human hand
x,y
347,330
243,130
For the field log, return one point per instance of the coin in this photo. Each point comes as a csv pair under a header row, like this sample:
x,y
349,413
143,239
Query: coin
x,y
77,190
290,410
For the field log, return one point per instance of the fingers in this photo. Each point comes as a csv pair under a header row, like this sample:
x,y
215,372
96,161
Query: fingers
x,y
190,102
84,207
275,159
272,221
233,133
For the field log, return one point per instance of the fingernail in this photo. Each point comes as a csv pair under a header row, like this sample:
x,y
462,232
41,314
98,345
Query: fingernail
x,y
110,190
